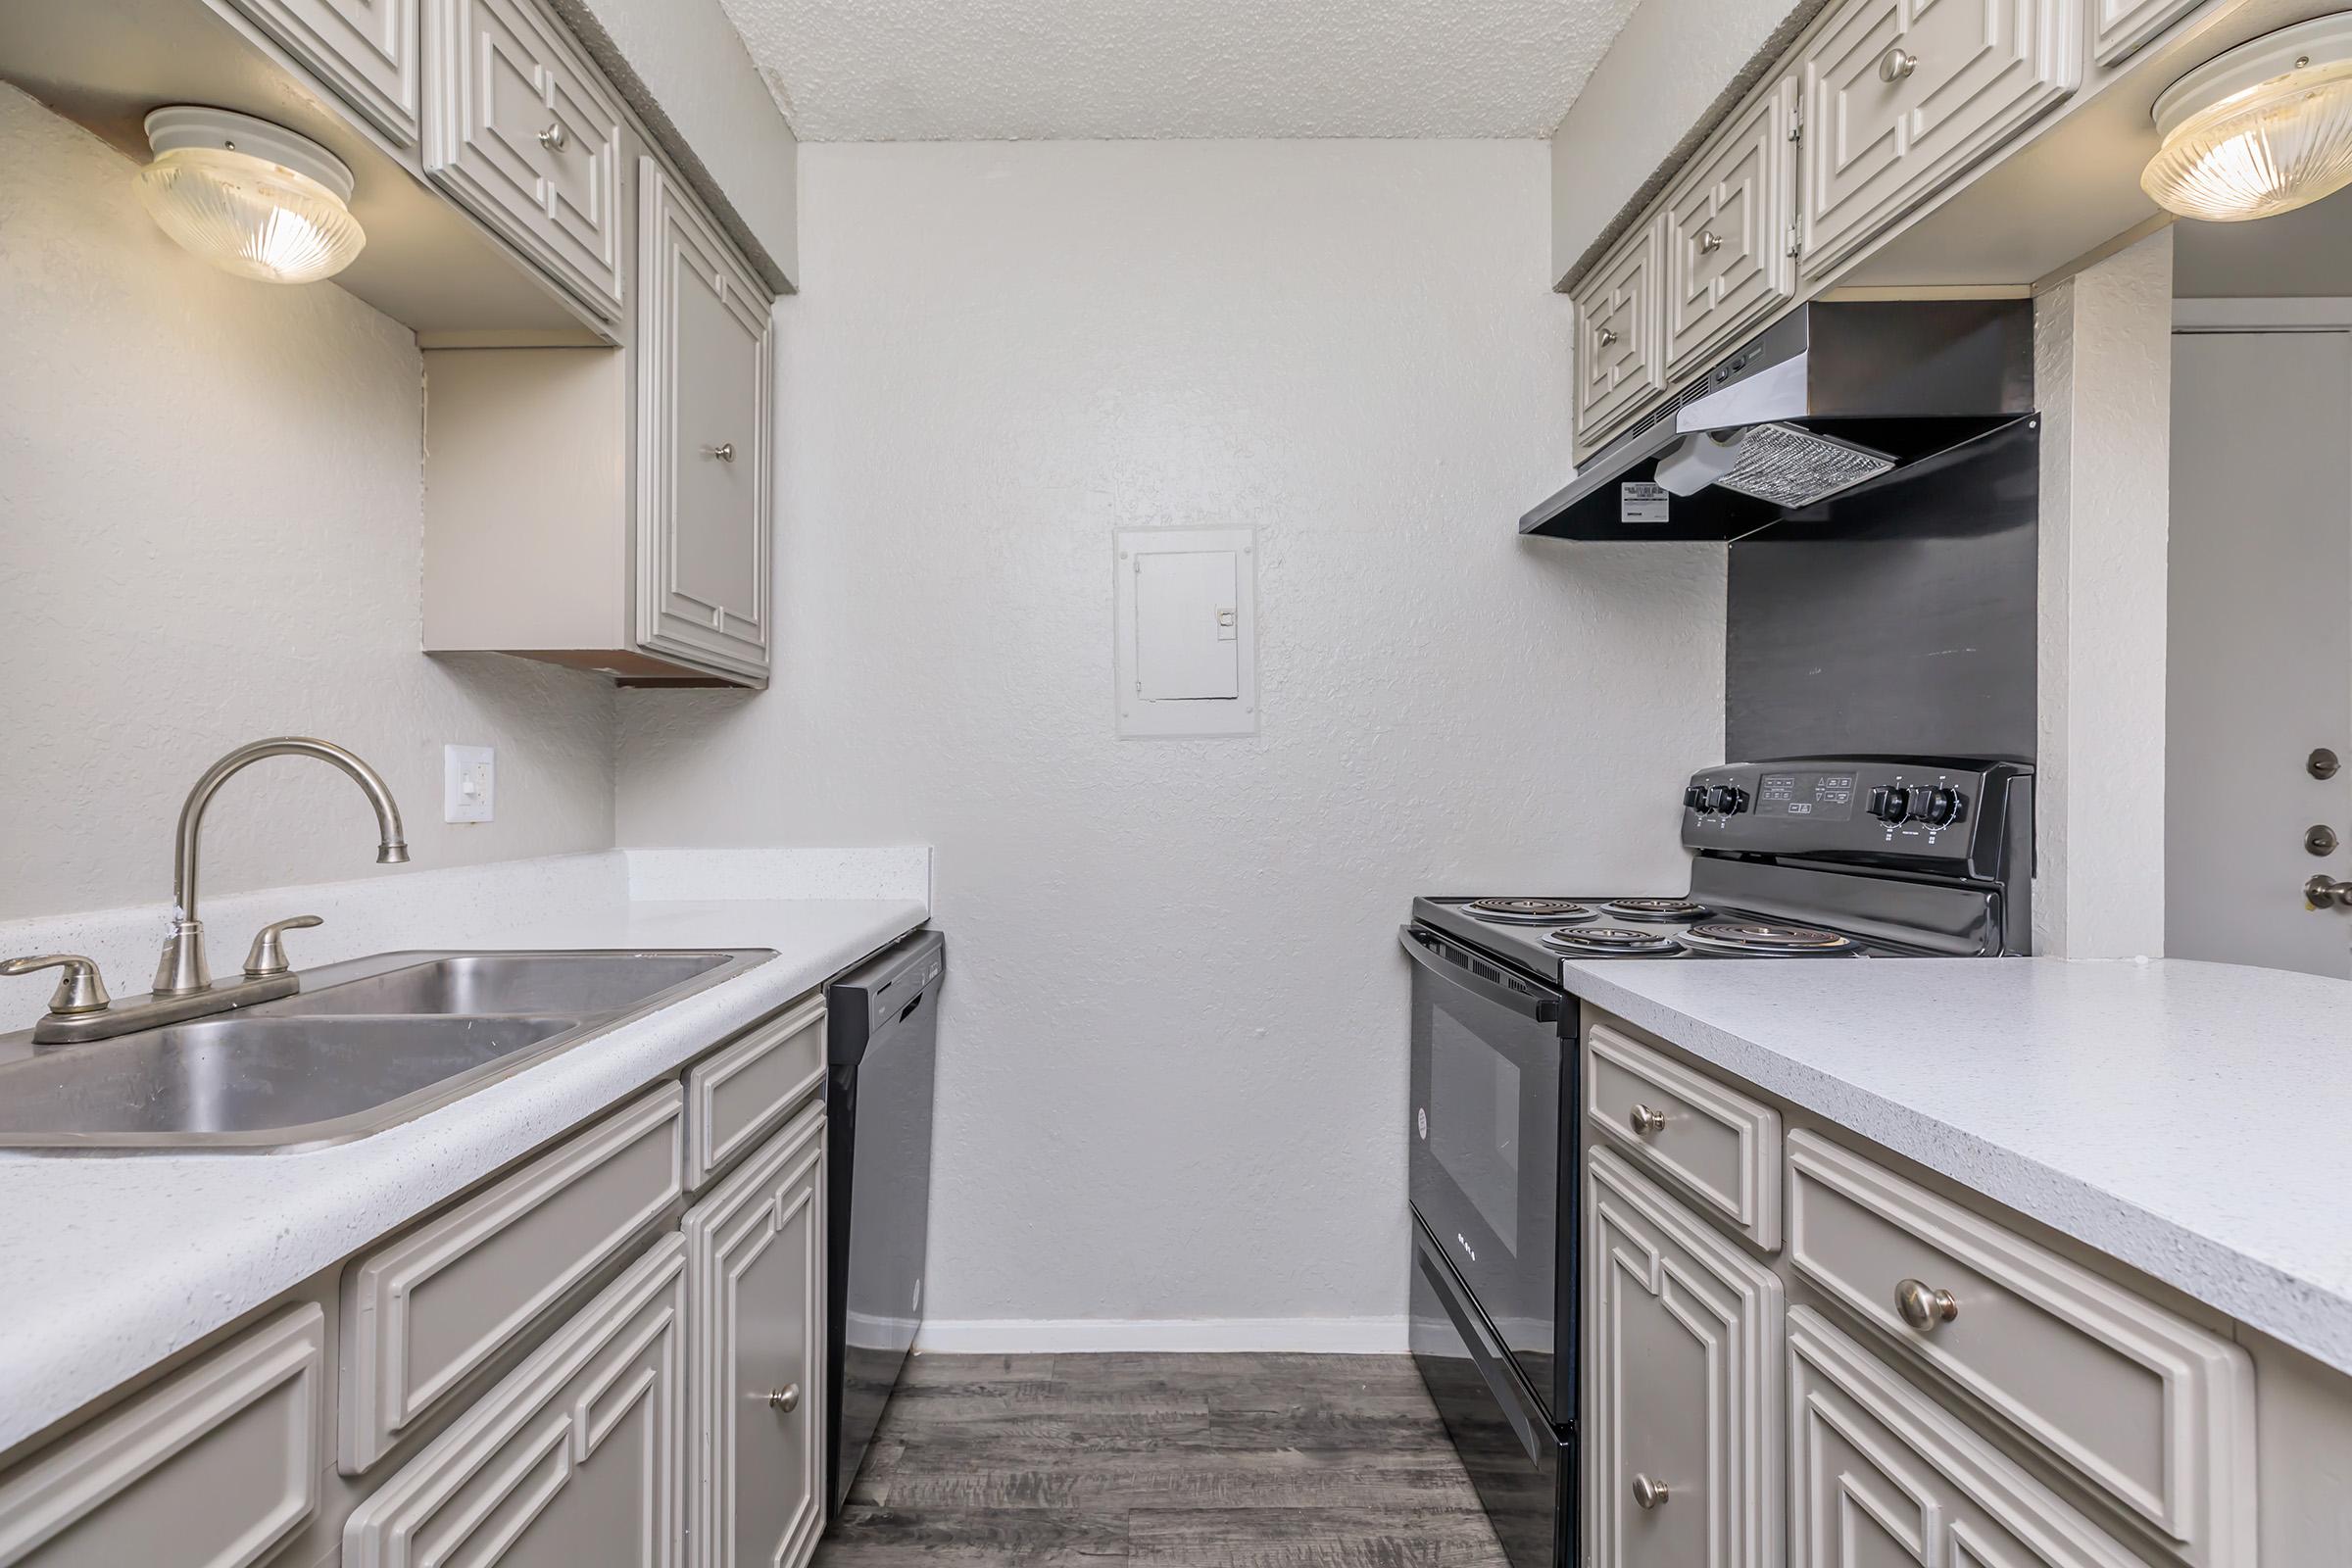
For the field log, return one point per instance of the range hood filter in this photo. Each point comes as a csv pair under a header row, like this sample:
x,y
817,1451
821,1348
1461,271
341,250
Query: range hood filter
x,y
1792,467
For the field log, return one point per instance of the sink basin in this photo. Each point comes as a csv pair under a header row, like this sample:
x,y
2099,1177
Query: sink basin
x,y
481,983
362,1047
250,1075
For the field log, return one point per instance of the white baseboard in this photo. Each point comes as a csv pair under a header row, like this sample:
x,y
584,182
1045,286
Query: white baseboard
x,y
1331,1335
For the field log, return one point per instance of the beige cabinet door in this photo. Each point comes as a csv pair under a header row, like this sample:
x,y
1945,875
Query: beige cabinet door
x,y
525,133
1681,1385
1881,1477
1620,365
1903,96
755,1251
576,1457
213,1468
366,50
705,355
1725,232
2120,26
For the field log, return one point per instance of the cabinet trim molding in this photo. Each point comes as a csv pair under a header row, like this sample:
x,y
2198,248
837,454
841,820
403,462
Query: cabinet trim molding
x,y
81,1474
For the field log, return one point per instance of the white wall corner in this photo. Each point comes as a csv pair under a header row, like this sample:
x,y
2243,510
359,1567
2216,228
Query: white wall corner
x,y
2103,379
778,871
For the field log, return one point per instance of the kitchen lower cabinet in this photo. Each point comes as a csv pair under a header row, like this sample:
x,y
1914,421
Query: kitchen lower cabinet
x,y
1681,1452
756,1257
575,1458
213,1468
1883,1478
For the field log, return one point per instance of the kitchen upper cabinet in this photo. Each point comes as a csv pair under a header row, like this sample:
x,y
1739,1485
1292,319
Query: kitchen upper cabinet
x,y
1902,96
521,130
2120,26
366,50
756,1257
1681,1385
1620,364
705,355
1725,230
1883,1478
608,508
575,1458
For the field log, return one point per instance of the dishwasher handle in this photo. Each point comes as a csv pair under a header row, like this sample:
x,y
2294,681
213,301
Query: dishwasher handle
x,y
1453,965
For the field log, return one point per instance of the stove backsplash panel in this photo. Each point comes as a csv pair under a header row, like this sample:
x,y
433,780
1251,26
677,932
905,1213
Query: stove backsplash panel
x,y
1896,620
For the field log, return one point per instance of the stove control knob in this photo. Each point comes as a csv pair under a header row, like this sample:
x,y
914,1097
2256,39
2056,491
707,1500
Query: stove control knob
x,y
1695,798
1943,807
1890,804
1726,800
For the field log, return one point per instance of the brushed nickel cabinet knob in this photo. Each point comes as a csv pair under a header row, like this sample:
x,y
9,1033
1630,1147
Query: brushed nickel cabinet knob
x,y
1709,242
553,137
1645,1120
786,1398
1922,1307
1896,64
1649,1494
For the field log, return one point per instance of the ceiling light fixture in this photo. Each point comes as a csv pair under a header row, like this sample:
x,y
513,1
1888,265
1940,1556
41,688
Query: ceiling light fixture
x,y
2260,130
251,198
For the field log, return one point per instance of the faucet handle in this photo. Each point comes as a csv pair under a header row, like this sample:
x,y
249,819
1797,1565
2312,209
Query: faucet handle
x,y
267,954
79,990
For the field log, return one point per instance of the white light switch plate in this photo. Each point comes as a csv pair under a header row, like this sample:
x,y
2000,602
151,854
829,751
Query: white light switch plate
x,y
469,783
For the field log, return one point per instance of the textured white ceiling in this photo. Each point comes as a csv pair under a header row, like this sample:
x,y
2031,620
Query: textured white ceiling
x,y
1001,69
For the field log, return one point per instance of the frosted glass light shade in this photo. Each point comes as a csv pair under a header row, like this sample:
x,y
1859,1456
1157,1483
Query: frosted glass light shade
x,y
251,198
2261,131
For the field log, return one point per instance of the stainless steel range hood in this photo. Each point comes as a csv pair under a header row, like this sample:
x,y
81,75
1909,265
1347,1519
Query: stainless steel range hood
x,y
1831,397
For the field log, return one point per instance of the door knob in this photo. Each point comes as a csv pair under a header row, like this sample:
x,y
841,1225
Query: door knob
x,y
1922,1307
2321,893
786,1398
1649,1494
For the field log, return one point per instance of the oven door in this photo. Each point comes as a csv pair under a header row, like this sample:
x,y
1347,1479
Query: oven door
x,y
1494,1130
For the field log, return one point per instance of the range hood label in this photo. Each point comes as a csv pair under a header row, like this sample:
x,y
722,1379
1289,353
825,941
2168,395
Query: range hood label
x,y
1641,502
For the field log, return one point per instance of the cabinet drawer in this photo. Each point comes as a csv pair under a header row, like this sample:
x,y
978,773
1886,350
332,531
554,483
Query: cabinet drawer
x,y
1619,363
423,1313
1726,230
1684,1377
212,1468
1714,1144
705,359
737,1096
521,129
2149,1408
1902,96
1880,1475
2118,27
578,1456
755,1299
366,50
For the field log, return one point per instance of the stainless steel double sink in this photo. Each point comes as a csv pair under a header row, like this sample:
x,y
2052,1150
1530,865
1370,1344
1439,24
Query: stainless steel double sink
x,y
362,1047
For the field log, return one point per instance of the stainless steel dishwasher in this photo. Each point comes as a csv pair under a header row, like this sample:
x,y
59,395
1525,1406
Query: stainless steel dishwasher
x,y
882,1038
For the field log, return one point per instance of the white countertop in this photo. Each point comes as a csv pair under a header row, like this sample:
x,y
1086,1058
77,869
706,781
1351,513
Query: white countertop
x,y
2193,1120
108,1264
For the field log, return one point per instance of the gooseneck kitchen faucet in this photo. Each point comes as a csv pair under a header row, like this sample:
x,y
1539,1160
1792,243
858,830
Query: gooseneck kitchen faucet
x,y
183,970
80,1009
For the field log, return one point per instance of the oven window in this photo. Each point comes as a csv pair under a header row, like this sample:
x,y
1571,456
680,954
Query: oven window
x,y
1474,1121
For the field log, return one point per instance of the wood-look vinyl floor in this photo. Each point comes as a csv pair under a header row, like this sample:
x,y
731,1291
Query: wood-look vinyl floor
x,y
1164,1461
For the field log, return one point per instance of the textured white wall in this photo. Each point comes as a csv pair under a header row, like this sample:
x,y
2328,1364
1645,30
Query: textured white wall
x,y
2103,357
1174,1071
1669,63
213,513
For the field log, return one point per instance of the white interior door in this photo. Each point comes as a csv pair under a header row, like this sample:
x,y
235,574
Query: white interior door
x,y
2259,655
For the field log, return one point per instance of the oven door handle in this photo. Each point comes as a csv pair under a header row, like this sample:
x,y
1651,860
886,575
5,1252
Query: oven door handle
x,y
1431,952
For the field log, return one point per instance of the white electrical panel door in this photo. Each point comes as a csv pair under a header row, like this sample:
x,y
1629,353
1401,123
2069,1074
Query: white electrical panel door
x,y
1187,654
